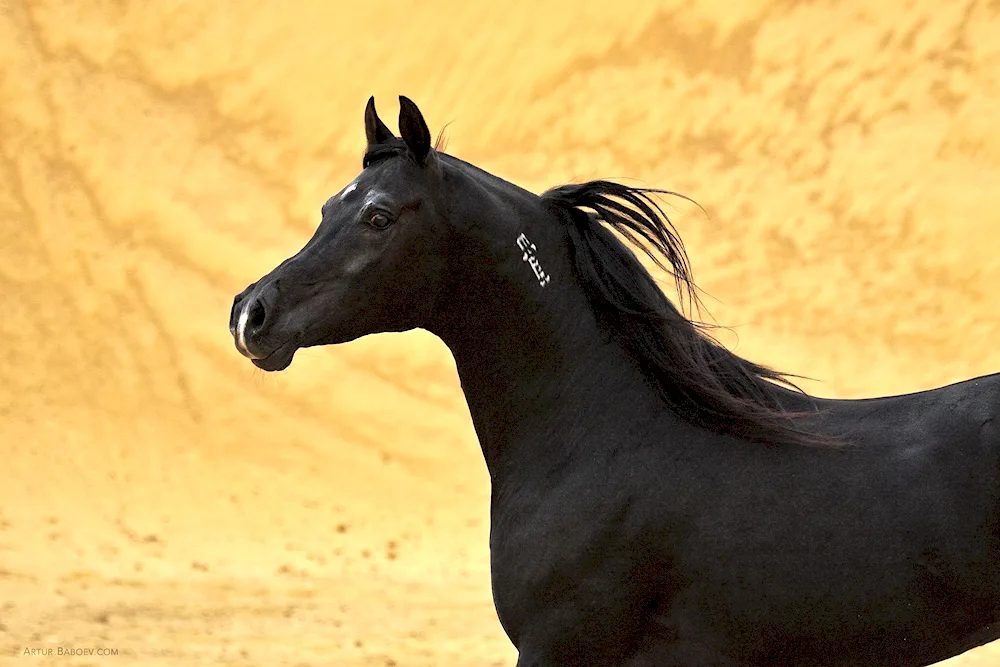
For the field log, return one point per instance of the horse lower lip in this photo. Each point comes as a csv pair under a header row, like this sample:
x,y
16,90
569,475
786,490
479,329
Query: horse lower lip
x,y
277,360
246,353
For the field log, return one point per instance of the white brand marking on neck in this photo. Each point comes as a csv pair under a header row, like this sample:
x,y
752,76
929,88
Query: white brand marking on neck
x,y
529,249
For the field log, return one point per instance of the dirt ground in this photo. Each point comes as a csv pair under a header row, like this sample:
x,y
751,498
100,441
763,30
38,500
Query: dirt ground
x,y
161,499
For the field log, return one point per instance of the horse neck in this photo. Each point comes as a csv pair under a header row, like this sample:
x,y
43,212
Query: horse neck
x,y
526,369
533,360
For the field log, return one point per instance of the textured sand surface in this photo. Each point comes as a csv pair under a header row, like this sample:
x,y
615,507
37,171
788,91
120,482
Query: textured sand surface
x,y
161,498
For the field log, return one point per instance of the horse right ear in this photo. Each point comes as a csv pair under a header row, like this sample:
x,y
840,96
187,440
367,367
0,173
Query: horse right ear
x,y
375,129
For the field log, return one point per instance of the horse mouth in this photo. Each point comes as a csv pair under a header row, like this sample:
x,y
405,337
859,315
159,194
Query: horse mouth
x,y
279,359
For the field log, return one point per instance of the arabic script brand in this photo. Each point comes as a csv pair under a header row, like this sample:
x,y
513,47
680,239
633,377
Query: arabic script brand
x,y
529,249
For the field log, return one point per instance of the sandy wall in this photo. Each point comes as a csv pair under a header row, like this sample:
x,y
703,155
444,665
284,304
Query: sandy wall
x,y
160,497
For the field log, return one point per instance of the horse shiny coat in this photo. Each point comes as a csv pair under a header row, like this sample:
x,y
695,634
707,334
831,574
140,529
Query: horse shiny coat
x,y
656,500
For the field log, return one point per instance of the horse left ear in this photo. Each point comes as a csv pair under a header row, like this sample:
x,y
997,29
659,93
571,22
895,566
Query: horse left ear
x,y
413,129
375,129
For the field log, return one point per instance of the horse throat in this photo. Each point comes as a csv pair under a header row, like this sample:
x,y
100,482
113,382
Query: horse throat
x,y
533,362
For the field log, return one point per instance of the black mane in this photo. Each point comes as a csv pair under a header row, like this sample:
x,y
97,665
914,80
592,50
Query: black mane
x,y
705,382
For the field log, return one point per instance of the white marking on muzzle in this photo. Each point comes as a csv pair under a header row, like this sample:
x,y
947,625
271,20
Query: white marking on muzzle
x,y
241,328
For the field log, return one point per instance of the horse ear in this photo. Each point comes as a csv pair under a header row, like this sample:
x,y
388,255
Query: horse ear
x,y
413,129
375,129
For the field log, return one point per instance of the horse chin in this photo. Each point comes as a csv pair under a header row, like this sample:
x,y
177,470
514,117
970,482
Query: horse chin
x,y
278,360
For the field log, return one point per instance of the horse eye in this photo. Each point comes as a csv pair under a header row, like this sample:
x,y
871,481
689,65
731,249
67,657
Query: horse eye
x,y
379,220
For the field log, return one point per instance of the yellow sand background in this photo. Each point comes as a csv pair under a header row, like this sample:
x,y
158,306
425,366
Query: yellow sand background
x,y
160,497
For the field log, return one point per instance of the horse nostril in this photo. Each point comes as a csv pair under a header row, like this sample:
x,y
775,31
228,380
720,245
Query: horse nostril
x,y
256,315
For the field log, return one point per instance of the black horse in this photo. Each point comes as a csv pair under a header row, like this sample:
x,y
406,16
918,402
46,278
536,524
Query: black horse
x,y
656,499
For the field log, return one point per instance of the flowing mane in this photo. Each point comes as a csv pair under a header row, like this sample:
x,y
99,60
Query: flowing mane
x,y
706,383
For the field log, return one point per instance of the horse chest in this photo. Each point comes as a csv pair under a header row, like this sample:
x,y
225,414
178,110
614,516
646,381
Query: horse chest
x,y
570,567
